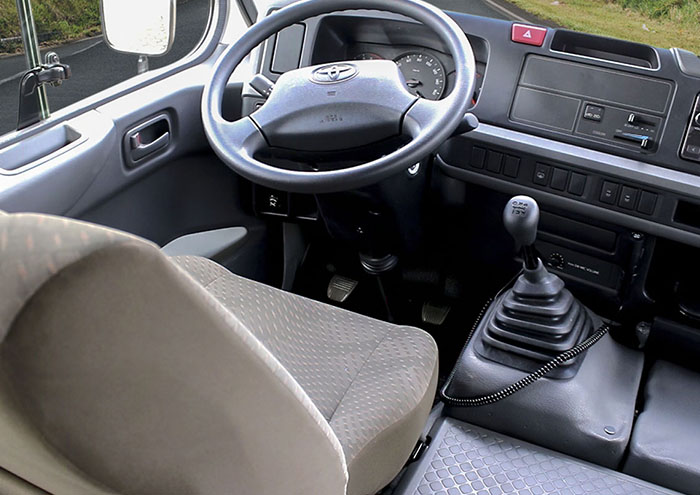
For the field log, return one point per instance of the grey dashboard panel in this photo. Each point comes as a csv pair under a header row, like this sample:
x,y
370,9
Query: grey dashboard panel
x,y
661,89
580,79
287,51
545,109
670,186
507,60
688,62
663,92
609,106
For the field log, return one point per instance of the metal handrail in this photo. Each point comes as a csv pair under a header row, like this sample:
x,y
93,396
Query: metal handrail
x,y
31,46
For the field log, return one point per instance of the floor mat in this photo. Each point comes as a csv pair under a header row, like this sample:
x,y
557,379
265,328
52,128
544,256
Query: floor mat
x,y
465,459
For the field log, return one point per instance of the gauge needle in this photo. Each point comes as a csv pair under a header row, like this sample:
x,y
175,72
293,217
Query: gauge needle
x,y
419,94
413,83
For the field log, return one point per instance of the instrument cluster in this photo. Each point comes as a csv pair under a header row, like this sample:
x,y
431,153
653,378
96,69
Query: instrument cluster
x,y
428,73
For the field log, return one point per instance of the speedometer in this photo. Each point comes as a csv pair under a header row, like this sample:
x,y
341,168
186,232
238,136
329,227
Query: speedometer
x,y
424,74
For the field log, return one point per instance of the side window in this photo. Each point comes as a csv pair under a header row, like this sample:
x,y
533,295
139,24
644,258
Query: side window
x,y
12,65
72,30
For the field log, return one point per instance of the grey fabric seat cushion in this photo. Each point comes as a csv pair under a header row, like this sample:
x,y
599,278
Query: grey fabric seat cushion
x,y
121,374
374,382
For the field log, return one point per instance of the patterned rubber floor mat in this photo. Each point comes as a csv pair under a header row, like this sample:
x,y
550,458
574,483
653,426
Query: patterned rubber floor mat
x,y
465,459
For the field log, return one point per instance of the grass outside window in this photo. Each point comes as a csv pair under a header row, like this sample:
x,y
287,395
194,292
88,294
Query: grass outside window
x,y
662,23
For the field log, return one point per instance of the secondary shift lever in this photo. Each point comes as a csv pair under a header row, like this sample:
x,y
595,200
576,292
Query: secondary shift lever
x,y
521,217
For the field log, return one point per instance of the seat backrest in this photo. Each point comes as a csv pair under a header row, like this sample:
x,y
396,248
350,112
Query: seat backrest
x,y
121,374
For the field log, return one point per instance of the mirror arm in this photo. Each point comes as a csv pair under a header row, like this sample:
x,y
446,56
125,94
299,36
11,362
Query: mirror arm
x,y
31,84
142,64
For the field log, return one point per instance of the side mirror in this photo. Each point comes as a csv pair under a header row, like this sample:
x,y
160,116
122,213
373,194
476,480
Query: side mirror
x,y
142,27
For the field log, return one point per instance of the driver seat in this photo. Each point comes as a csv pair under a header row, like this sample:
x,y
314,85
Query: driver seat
x,y
125,371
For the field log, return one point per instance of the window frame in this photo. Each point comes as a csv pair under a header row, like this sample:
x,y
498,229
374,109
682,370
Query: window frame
x,y
219,11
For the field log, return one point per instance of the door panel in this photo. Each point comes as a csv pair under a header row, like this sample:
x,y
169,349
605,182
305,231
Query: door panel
x,y
179,189
80,163
189,194
178,97
54,182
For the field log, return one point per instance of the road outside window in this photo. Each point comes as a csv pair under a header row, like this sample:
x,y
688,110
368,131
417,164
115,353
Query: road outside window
x,y
72,29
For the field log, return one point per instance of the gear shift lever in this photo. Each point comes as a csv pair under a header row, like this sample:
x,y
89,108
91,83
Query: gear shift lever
x,y
538,318
521,217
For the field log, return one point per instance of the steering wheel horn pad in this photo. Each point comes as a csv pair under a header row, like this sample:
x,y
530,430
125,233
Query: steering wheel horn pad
x,y
334,107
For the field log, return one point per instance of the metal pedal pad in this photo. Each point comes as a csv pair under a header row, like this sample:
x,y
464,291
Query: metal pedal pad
x,y
340,288
434,314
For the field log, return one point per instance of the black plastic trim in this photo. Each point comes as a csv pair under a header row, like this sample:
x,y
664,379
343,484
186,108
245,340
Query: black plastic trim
x,y
671,185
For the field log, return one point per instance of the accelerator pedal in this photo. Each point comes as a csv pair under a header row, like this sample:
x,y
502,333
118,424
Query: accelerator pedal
x,y
340,288
434,314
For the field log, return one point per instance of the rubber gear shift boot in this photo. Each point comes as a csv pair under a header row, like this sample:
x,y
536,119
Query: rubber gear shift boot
x,y
533,322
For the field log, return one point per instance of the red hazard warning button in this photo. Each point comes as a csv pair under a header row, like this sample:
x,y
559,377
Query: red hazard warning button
x,y
530,35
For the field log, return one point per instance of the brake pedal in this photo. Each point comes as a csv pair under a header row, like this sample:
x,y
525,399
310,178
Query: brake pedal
x,y
434,314
340,288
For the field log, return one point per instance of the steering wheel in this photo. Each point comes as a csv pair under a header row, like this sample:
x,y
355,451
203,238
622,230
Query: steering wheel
x,y
336,107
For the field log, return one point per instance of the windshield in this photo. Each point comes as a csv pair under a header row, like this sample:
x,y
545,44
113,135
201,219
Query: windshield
x,y
662,23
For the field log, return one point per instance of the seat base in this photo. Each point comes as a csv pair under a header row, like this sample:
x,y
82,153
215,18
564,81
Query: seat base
x,y
373,381
664,446
463,458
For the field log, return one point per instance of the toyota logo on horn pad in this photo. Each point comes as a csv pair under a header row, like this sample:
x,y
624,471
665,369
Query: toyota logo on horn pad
x,y
329,74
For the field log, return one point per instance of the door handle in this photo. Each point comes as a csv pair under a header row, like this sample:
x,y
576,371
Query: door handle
x,y
140,149
147,139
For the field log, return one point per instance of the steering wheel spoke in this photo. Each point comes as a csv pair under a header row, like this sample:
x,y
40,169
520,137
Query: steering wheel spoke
x,y
243,135
421,117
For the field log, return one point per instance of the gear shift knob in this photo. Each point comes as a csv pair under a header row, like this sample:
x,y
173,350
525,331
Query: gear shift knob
x,y
521,217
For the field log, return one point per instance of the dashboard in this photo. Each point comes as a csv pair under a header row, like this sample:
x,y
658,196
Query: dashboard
x,y
604,128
